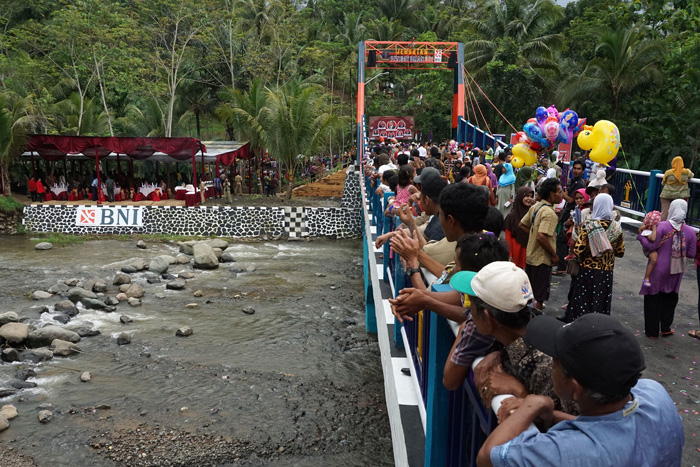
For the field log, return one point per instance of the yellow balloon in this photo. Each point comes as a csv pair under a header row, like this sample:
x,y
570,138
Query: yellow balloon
x,y
603,139
517,162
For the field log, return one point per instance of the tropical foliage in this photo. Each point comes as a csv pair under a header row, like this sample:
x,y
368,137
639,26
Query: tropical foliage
x,y
223,69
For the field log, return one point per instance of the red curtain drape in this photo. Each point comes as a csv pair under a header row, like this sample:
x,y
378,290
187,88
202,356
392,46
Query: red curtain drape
x,y
227,158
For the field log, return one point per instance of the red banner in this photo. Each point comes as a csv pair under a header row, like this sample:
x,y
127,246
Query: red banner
x,y
564,152
391,127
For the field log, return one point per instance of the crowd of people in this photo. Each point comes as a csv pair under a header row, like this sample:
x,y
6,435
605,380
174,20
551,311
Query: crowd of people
x,y
497,235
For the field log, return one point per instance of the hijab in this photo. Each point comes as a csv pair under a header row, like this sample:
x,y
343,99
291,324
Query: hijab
x,y
516,214
508,178
552,173
599,179
677,213
583,193
492,176
677,167
602,207
480,176
523,176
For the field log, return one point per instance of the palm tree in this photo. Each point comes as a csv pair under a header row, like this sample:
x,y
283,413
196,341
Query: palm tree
x,y
17,120
147,119
386,30
296,124
243,112
625,62
397,10
522,23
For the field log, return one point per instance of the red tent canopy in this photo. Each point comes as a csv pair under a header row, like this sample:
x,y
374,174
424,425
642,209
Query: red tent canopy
x,y
54,147
227,158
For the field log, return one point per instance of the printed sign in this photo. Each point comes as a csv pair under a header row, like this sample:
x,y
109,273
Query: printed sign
x,y
391,127
109,216
564,152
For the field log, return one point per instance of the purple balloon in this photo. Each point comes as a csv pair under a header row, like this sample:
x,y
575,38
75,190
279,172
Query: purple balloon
x,y
569,119
541,114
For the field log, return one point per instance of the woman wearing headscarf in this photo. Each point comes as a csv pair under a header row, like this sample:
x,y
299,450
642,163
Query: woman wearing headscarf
x,y
597,246
492,176
675,184
481,178
675,241
506,190
516,238
524,178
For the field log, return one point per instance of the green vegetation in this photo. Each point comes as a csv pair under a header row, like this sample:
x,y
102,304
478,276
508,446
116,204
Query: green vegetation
x,y
230,69
9,204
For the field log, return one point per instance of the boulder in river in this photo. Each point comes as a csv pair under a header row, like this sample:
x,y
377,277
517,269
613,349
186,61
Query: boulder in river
x,y
111,301
100,286
141,244
158,265
217,243
40,295
204,257
14,333
9,355
177,284
184,331
61,318
120,279
182,259
139,264
125,319
123,339
21,384
45,416
43,246
134,301
227,257
85,376
78,293
67,307
249,310
187,247
8,317
128,269
186,275
9,411
72,282
122,297
58,288
46,335
7,392
4,423
87,332
64,348
36,355
135,291
93,303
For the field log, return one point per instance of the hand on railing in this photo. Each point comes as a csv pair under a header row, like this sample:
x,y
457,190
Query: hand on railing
x,y
492,380
408,303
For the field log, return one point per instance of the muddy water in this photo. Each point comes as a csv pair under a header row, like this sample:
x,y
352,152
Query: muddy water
x,y
297,383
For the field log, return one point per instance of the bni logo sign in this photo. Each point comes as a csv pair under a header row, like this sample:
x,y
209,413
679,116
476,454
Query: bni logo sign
x,y
89,216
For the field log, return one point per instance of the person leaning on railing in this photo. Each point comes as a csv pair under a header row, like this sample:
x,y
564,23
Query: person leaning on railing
x,y
499,294
624,420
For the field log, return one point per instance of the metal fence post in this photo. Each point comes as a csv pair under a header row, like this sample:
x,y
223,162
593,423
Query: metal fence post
x,y
654,190
387,228
438,400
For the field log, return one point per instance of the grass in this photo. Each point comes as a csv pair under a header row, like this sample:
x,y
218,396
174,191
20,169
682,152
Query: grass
x,y
9,204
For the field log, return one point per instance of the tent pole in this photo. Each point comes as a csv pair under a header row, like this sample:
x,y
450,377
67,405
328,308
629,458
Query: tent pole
x,y
99,183
250,178
202,171
194,168
33,166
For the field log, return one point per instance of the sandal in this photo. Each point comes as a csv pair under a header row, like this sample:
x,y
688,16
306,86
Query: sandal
x,y
646,283
695,334
667,333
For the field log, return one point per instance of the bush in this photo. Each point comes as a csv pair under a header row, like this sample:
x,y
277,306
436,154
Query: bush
x,y
8,204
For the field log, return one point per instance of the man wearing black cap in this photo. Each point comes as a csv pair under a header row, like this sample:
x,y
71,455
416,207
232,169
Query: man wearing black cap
x,y
623,421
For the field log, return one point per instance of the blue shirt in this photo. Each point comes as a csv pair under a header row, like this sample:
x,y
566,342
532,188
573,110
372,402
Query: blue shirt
x,y
647,432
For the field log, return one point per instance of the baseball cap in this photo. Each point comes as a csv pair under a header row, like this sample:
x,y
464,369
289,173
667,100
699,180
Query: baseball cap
x,y
500,284
427,175
596,349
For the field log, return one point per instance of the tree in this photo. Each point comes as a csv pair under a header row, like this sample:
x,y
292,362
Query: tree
x,y
243,112
625,62
295,124
16,123
523,23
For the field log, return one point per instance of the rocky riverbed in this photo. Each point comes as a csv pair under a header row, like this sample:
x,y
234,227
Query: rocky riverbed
x,y
198,353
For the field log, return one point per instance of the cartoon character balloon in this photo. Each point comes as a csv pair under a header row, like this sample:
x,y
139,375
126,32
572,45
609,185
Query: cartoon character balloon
x,y
551,130
603,139
552,112
523,154
535,134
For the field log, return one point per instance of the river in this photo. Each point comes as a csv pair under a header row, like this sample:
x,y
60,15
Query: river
x,y
298,382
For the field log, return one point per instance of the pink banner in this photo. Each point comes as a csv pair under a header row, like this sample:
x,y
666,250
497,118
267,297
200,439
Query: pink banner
x,y
399,128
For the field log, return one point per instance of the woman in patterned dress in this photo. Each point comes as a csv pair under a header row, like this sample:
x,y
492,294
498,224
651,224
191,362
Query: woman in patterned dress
x,y
599,243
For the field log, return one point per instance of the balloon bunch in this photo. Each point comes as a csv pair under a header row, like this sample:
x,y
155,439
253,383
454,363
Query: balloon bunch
x,y
543,132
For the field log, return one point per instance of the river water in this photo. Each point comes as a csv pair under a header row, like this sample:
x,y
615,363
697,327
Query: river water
x,y
298,382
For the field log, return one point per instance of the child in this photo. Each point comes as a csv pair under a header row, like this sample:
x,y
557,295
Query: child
x,y
574,223
648,229
405,187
